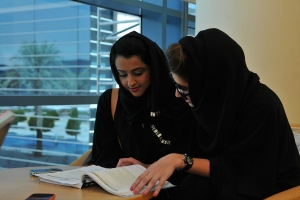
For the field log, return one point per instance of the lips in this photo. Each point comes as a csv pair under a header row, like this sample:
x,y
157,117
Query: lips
x,y
134,89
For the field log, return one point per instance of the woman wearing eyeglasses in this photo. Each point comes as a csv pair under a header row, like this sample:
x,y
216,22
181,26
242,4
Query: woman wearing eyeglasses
x,y
245,148
149,121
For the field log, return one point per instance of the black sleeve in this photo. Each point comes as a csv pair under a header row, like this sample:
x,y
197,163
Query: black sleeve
x,y
106,149
262,158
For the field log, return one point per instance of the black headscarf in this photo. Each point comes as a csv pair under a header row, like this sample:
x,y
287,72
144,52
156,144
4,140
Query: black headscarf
x,y
219,80
160,94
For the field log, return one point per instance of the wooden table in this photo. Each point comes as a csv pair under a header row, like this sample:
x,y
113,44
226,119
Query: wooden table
x,y
17,183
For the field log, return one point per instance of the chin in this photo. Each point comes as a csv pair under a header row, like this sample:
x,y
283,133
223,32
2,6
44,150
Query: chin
x,y
136,94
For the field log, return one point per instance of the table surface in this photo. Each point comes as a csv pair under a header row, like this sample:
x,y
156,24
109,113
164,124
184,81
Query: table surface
x,y
17,183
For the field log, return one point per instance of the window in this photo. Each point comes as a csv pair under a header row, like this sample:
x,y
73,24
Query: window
x,y
53,68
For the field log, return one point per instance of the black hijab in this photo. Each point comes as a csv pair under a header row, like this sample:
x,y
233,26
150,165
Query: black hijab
x,y
160,94
159,98
219,83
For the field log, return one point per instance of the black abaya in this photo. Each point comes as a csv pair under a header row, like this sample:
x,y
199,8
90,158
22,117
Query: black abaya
x,y
242,126
132,123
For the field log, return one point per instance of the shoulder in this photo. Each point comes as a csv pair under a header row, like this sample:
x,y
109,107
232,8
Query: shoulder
x,y
267,98
105,97
107,92
265,104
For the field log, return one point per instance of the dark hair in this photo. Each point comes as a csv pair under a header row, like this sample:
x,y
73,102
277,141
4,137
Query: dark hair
x,y
177,60
130,46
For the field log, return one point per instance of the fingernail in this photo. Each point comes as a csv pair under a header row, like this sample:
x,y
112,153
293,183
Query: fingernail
x,y
154,194
135,192
144,193
131,188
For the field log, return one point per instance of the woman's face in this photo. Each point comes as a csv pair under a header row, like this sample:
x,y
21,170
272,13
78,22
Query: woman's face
x,y
134,74
183,87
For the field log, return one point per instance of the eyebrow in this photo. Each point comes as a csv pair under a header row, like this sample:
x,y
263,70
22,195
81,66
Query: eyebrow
x,y
182,87
139,68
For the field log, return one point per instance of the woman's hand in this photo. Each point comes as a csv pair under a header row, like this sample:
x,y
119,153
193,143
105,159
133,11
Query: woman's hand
x,y
159,172
130,161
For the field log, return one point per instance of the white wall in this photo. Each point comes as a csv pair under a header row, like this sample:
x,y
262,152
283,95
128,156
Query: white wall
x,y
269,33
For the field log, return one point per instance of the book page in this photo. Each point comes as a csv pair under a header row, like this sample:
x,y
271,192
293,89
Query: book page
x,y
116,181
119,178
72,178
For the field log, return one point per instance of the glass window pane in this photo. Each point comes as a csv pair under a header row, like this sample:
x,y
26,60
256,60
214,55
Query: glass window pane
x,y
46,54
64,135
62,54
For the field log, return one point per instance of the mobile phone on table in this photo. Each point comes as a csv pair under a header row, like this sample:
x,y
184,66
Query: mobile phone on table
x,y
44,171
41,196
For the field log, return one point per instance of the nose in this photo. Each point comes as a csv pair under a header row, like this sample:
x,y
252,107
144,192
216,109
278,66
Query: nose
x,y
131,81
177,94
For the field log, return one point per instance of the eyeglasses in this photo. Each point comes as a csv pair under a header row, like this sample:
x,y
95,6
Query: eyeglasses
x,y
183,92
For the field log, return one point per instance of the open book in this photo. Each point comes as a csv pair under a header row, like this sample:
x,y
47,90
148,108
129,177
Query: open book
x,y
116,181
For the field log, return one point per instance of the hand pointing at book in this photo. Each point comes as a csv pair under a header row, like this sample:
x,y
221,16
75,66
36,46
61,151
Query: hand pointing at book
x,y
159,172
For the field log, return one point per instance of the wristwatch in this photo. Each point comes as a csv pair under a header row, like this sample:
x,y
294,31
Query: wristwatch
x,y
188,161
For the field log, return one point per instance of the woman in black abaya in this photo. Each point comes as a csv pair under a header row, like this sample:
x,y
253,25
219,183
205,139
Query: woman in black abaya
x,y
149,121
244,148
